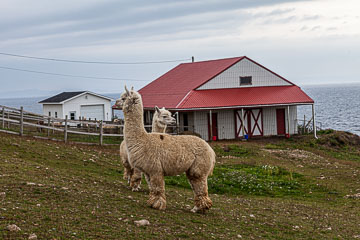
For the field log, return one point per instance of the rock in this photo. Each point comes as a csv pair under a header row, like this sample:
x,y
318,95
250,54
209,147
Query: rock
x,y
142,223
239,236
13,228
2,194
30,183
354,196
32,236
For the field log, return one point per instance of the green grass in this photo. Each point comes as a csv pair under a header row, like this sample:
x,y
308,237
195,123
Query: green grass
x,y
264,180
232,150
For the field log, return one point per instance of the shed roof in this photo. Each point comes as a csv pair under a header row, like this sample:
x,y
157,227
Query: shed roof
x,y
61,97
65,96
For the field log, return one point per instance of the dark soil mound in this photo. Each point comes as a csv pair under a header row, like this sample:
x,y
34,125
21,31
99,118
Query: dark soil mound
x,y
339,139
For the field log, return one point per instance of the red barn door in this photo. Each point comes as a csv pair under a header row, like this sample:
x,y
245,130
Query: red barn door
x,y
280,121
253,122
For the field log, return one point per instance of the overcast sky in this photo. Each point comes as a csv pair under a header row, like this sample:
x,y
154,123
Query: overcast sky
x,y
307,42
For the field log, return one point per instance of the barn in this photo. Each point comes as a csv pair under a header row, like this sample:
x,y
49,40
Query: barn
x,y
78,105
229,98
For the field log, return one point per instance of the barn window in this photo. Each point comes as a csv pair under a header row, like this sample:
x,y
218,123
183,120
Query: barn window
x,y
246,80
72,115
49,114
55,114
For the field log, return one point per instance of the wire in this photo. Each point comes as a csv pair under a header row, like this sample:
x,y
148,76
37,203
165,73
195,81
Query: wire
x,y
92,62
69,75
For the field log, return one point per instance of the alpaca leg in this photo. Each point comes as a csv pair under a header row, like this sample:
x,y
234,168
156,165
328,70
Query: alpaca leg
x,y
147,178
157,197
135,180
128,171
200,188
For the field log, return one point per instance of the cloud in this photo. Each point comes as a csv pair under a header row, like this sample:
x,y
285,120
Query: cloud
x,y
275,33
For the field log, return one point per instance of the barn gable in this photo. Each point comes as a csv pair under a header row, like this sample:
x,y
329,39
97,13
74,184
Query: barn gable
x,y
245,68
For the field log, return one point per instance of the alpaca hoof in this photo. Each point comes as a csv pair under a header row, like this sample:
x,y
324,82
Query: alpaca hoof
x,y
157,202
202,204
195,209
136,188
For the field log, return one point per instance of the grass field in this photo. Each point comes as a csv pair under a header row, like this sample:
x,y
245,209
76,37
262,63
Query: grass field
x,y
272,188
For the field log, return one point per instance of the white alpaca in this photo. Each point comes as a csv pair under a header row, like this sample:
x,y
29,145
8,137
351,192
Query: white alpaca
x,y
161,119
159,155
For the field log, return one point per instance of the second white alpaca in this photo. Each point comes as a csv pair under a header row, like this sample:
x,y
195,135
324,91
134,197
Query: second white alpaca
x,y
161,119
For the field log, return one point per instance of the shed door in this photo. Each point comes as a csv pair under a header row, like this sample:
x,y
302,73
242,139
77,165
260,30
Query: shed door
x,y
280,121
92,111
253,122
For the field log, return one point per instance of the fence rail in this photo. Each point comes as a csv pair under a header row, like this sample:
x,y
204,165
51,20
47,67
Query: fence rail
x,y
13,120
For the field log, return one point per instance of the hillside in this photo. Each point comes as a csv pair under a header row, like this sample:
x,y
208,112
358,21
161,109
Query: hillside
x,y
273,188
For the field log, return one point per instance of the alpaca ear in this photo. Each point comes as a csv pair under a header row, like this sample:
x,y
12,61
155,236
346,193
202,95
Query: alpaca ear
x,y
157,109
132,88
163,108
127,91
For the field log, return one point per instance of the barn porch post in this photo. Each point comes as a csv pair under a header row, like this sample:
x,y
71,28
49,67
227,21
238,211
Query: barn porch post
x,y
177,123
242,125
210,121
313,118
288,120
112,114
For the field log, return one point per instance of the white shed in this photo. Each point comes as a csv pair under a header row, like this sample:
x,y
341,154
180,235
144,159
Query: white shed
x,y
78,105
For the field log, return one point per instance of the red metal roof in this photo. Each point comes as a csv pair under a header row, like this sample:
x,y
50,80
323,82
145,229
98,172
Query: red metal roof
x,y
250,96
169,89
176,89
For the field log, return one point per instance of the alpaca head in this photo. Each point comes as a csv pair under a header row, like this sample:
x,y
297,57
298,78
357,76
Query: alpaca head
x,y
120,101
129,101
162,117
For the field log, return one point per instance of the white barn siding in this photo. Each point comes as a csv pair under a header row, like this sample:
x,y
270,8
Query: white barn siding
x,y
76,103
201,124
230,77
226,124
53,108
293,119
269,121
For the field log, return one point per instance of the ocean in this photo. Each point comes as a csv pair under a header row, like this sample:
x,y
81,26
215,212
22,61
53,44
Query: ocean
x,y
337,106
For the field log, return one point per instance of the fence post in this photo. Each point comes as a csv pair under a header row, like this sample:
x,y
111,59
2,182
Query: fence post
x,y
21,121
65,129
8,116
3,117
48,131
304,125
101,132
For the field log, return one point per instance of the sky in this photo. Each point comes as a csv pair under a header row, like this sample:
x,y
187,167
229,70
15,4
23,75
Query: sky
x,y
307,42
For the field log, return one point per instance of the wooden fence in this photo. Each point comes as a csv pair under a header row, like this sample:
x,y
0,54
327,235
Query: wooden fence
x,y
15,121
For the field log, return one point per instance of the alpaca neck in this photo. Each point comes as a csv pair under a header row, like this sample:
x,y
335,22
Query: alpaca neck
x,y
158,128
134,125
